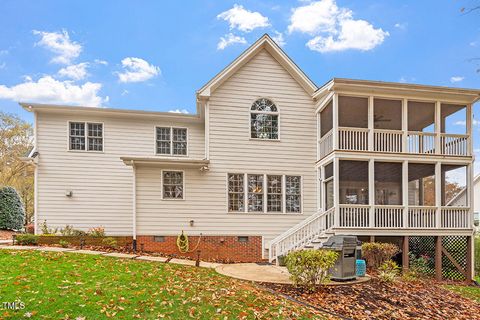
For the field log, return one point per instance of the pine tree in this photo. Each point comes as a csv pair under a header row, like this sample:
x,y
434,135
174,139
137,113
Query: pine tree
x,y
12,213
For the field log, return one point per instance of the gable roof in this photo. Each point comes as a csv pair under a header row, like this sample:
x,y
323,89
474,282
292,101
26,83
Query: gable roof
x,y
267,43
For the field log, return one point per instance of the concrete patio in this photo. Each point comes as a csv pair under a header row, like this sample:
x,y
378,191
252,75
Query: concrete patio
x,y
268,273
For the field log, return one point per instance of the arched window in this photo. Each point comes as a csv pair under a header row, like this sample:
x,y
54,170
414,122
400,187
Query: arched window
x,y
264,120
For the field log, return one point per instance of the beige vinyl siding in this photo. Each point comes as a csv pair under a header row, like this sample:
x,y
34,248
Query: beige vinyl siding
x,y
232,151
101,183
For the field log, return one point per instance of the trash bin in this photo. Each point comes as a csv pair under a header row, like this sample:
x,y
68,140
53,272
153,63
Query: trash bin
x,y
346,246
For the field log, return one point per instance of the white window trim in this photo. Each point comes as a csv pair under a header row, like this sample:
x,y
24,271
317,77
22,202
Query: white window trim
x,y
183,184
171,142
86,136
264,212
263,112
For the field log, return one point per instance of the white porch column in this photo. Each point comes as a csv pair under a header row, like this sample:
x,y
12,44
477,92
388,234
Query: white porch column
x,y
470,200
207,130
438,127
438,194
317,115
404,125
134,201
469,122
321,203
371,193
371,123
405,193
336,190
335,121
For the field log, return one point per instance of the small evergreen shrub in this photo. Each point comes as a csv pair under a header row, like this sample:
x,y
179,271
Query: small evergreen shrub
x,y
376,253
388,271
64,243
109,242
71,232
309,268
419,266
12,213
26,239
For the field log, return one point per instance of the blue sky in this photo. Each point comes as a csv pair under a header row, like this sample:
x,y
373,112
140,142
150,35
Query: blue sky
x,y
153,55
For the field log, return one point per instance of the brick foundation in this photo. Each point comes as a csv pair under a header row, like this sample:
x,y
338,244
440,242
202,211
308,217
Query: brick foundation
x,y
212,248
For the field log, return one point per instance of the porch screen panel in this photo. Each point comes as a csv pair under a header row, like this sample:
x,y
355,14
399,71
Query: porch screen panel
x,y
353,182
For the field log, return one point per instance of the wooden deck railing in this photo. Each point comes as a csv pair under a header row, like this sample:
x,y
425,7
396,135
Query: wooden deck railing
x,y
353,139
387,140
454,144
325,144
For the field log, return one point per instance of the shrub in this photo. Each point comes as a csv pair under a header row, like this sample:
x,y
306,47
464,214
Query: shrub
x,y
97,232
70,231
419,266
12,213
30,228
376,253
64,243
27,239
388,271
310,267
46,230
109,242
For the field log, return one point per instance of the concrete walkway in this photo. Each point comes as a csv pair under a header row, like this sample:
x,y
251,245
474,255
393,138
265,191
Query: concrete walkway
x,y
118,255
268,273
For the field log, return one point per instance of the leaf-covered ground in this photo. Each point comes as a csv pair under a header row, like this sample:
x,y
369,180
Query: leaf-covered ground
x,y
399,300
471,292
77,286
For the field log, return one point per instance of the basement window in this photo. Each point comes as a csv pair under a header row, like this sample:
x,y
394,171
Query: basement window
x,y
243,239
173,185
159,238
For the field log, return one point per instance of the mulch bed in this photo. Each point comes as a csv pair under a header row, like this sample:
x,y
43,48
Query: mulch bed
x,y
6,234
377,300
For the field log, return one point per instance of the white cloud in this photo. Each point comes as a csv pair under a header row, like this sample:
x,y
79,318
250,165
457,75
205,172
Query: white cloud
x,y
2,65
456,79
475,122
279,39
98,61
185,111
401,26
473,43
137,70
75,72
230,39
50,90
59,43
242,19
333,28
124,92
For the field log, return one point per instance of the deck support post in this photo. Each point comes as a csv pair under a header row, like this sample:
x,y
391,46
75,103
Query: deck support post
x,y
438,127
438,194
405,252
405,194
438,258
335,144
336,191
470,260
405,125
372,238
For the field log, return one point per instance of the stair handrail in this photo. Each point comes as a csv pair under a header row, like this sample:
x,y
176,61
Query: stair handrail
x,y
273,251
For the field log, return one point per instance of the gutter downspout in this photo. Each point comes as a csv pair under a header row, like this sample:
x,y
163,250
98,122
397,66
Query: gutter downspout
x,y
35,177
134,206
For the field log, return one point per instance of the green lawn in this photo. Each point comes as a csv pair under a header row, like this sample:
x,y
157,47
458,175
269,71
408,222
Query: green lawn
x,y
470,292
77,286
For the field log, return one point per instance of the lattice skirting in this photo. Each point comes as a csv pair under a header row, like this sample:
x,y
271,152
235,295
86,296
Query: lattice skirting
x,y
455,246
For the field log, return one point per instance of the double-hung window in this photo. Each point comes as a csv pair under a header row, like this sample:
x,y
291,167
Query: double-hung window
x,y
86,136
171,141
172,185
262,193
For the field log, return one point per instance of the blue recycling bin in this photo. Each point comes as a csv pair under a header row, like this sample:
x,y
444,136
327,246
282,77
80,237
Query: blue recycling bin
x,y
360,268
